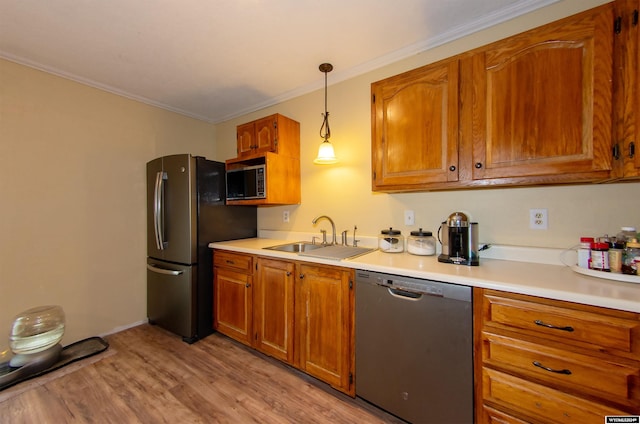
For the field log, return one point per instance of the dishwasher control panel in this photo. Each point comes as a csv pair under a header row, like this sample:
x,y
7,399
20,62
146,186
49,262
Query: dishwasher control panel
x,y
402,284
416,285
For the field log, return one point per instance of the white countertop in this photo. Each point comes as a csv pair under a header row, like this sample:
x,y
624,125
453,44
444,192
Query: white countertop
x,y
544,280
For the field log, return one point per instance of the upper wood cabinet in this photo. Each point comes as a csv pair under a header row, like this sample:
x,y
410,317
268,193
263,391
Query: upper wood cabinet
x,y
274,133
535,108
626,89
415,127
273,141
539,103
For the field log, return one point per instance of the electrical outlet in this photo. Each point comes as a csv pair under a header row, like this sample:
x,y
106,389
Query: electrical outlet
x,y
409,218
285,216
538,219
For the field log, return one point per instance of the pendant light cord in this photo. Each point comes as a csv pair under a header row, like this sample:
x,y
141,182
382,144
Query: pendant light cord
x,y
325,121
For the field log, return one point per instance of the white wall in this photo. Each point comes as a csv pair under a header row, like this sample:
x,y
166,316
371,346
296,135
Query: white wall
x,y
72,197
343,191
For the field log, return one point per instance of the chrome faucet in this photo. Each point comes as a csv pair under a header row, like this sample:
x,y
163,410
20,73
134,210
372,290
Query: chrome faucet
x,y
333,228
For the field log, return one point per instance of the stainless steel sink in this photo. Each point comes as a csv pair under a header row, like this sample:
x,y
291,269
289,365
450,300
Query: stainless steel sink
x,y
338,252
296,247
306,248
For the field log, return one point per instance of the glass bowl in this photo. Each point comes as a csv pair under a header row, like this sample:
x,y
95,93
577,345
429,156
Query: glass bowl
x,y
37,329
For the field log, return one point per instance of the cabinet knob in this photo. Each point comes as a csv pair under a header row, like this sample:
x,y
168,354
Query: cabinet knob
x,y
617,25
632,150
247,285
616,151
301,276
478,165
288,273
452,168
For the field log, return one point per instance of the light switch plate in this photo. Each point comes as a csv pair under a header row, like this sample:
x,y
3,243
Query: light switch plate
x,y
409,218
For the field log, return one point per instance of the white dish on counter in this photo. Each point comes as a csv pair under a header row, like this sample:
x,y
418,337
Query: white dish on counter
x,y
607,275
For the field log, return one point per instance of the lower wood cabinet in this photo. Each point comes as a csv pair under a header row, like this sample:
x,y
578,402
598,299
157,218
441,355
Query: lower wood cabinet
x,y
273,308
536,360
300,313
233,295
546,361
325,324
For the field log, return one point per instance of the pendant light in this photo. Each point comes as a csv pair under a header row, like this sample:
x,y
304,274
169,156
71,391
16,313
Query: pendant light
x,y
326,155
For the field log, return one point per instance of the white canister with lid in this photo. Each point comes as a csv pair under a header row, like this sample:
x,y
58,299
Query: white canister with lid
x,y
421,243
391,241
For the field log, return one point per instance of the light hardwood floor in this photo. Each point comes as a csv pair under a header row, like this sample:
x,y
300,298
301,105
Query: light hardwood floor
x,y
149,375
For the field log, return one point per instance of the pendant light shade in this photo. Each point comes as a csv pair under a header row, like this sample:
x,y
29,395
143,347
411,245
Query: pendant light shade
x,y
326,154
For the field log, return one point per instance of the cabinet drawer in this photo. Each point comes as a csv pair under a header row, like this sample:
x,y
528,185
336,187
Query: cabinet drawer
x,y
233,260
578,373
597,331
493,416
541,403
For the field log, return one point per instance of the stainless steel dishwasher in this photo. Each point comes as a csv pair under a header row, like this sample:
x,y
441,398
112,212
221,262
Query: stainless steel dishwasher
x,y
414,347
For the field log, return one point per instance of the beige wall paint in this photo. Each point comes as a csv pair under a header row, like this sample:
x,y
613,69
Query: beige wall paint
x,y
72,205
343,191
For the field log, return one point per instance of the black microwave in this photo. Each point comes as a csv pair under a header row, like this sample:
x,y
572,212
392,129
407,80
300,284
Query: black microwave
x,y
246,183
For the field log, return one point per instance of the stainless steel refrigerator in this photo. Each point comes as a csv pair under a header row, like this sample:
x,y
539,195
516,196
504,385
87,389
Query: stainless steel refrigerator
x,y
185,212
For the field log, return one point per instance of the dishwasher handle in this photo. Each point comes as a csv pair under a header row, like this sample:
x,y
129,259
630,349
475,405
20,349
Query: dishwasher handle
x,y
404,294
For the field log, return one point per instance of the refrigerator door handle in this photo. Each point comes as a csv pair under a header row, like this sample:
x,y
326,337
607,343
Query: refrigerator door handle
x,y
153,268
158,206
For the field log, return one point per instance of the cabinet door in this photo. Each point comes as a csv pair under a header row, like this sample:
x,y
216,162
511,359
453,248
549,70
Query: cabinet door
x,y
246,134
626,90
324,311
415,127
233,304
266,135
273,308
541,102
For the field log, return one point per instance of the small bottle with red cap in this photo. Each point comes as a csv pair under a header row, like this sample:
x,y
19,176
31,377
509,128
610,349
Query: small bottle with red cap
x,y
600,256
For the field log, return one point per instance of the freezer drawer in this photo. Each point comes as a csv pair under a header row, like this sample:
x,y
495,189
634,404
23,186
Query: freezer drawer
x,y
171,297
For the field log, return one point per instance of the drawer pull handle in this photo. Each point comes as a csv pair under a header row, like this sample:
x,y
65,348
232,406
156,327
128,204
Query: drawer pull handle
x,y
230,262
539,365
544,324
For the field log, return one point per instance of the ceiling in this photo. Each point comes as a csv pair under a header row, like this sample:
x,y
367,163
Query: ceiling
x,y
218,59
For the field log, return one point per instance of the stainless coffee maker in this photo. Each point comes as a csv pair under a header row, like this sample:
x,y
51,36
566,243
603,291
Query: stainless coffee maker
x,y
459,240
